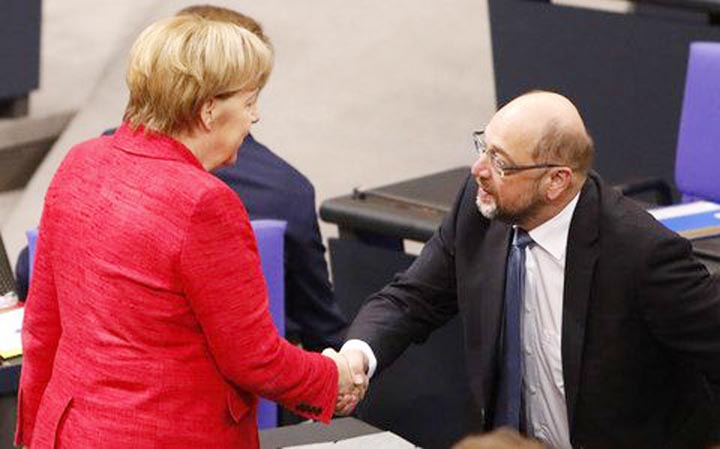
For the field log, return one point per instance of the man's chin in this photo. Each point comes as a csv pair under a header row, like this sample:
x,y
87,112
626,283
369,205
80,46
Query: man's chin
x,y
487,210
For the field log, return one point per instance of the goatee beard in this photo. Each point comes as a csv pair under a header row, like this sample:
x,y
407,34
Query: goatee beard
x,y
488,211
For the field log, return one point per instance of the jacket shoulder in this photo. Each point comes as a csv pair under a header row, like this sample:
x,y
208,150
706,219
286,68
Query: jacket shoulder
x,y
624,216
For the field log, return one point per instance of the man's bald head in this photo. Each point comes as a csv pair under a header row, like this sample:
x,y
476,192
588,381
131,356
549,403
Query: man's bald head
x,y
552,124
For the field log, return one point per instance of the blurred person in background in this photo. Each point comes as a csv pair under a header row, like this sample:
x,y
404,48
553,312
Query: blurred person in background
x,y
147,322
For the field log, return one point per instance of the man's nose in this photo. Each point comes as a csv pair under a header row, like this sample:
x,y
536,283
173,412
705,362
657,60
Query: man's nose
x,y
481,167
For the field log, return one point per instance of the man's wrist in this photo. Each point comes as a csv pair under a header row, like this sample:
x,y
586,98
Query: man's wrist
x,y
359,345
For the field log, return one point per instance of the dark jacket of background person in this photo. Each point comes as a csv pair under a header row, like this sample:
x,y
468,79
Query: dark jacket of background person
x,y
271,188
640,324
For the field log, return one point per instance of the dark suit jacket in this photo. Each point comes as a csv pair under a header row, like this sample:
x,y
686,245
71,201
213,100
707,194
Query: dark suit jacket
x,y
640,330
269,187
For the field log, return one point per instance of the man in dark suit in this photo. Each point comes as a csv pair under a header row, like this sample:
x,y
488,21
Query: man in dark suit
x,y
587,323
269,187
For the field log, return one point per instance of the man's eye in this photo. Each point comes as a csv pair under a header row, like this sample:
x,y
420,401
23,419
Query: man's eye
x,y
499,163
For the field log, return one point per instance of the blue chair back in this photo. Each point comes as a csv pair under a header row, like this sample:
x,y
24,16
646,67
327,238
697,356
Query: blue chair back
x,y
270,236
698,151
32,236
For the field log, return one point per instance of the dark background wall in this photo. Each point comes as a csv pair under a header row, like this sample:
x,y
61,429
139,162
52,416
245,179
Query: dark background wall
x,y
626,73
19,51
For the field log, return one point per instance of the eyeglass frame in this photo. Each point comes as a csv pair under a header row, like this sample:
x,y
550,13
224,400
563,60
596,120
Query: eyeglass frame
x,y
482,150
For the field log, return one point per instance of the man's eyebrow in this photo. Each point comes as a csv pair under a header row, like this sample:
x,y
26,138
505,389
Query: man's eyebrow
x,y
499,150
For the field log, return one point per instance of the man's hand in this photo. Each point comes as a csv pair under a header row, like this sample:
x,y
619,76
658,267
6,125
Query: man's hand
x,y
358,363
351,385
359,367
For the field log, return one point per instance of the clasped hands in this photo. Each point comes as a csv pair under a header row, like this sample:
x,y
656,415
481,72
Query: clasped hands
x,y
352,379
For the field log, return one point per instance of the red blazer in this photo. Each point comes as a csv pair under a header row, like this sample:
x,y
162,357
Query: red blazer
x,y
147,322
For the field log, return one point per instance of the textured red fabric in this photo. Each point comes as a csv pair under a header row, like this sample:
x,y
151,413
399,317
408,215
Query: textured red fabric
x,y
147,322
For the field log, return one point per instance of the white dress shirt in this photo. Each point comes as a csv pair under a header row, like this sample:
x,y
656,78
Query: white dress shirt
x,y
541,320
544,389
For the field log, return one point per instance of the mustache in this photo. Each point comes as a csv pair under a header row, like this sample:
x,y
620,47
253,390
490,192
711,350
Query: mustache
x,y
485,187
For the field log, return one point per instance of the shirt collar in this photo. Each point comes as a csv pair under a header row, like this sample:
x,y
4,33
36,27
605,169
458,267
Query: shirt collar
x,y
552,235
153,145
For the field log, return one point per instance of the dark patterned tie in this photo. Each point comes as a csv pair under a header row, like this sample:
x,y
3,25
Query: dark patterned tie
x,y
507,411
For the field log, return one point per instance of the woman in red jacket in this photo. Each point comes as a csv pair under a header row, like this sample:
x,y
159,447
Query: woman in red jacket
x,y
147,322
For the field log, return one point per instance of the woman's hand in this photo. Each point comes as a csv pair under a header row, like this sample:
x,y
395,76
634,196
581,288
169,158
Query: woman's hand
x,y
351,385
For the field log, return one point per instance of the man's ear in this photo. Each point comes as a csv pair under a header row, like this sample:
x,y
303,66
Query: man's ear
x,y
560,180
206,114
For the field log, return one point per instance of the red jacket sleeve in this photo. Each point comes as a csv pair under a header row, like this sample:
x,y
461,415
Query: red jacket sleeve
x,y
222,276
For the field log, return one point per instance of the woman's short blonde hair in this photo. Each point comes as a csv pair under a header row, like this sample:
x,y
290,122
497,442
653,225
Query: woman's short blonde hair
x,y
179,63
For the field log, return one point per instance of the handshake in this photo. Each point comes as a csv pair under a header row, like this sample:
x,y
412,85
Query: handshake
x,y
352,378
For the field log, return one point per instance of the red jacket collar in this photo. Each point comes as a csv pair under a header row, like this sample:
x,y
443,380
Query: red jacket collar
x,y
152,144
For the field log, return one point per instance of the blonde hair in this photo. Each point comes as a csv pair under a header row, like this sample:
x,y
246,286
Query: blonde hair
x,y
179,63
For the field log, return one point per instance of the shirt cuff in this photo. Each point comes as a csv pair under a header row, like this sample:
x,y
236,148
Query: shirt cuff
x,y
365,349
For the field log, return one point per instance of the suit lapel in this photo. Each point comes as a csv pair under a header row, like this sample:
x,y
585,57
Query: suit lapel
x,y
580,263
484,294
491,281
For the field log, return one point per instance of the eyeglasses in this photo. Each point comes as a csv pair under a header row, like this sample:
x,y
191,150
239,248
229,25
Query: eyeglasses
x,y
499,165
